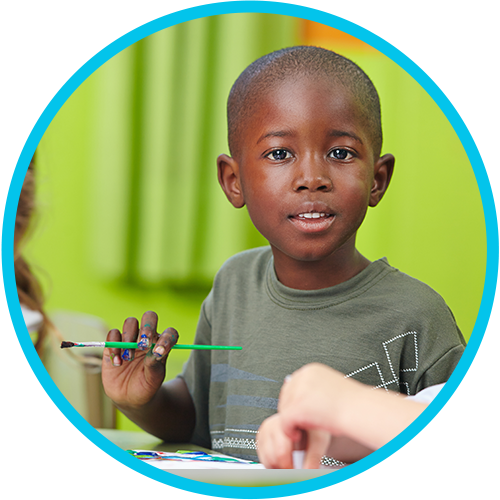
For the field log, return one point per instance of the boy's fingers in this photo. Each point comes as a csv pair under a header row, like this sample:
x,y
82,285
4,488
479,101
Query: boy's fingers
x,y
130,332
147,333
145,336
112,357
164,344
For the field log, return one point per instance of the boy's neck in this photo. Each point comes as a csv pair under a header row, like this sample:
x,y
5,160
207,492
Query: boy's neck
x,y
315,275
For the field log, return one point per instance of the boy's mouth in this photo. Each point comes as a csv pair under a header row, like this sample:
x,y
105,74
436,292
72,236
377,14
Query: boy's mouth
x,y
312,221
313,215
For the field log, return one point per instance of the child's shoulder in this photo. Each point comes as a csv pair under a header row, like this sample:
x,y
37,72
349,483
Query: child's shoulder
x,y
249,264
411,290
242,277
258,254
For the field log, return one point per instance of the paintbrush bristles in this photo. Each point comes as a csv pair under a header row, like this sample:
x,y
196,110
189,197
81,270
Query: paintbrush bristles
x,y
82,344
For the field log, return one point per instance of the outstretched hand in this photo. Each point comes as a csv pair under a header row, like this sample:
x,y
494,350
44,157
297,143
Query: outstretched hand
x,y
132,377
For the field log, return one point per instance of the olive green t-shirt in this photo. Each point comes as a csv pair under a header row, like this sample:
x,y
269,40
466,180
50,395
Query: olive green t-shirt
x,y
381,327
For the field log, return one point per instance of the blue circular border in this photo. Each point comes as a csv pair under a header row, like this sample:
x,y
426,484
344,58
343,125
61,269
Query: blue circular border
x,y
230,8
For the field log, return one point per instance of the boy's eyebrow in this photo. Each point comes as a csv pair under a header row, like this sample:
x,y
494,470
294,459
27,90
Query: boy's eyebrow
x,y
331,133
275,133
343,133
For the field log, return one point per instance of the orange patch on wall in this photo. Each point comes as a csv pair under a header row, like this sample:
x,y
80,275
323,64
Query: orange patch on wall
x,y
312,33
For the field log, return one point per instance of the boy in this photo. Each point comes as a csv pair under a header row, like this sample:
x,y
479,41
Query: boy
x,y
305,139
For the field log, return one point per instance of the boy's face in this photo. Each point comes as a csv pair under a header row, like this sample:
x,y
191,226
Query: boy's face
x,y
306,169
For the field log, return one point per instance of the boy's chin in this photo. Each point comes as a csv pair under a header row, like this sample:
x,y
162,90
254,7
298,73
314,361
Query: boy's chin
x,y
322,254
305,256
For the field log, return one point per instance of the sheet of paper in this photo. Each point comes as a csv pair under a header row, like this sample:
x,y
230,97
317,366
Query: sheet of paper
x,y
195,460
199,460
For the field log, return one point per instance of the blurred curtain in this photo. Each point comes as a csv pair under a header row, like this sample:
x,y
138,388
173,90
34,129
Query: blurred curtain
x,y
160,124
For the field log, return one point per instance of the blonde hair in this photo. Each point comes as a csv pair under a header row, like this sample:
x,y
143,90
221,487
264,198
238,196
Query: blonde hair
x,y
29,290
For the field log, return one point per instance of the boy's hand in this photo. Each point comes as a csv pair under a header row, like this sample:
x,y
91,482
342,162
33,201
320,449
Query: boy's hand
x,y
131,377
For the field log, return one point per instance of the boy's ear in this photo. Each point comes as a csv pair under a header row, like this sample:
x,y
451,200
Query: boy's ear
x,y
381,178
228,173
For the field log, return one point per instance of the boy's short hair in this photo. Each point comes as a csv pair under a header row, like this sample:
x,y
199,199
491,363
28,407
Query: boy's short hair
x,y
277,66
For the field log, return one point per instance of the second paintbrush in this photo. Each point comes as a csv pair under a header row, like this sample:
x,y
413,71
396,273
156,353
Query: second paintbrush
x,y
133,345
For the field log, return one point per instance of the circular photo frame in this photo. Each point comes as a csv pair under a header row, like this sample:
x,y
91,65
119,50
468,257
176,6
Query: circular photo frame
x,y
484,309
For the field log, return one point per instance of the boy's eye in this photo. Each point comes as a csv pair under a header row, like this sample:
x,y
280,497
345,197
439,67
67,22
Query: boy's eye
x,y
340,154
279,154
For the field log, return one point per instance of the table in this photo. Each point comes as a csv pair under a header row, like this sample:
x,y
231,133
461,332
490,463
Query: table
x,y
128,440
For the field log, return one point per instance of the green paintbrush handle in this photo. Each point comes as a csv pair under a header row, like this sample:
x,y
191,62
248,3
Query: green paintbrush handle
x,y
133,345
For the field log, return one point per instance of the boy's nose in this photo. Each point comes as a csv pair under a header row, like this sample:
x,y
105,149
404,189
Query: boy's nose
x,y
312,176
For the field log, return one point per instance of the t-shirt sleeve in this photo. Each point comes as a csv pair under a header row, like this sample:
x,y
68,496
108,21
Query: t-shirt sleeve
x,y
439,341
440,371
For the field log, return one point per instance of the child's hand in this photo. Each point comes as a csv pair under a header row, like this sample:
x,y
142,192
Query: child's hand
x,y
311,399
274,448
131,377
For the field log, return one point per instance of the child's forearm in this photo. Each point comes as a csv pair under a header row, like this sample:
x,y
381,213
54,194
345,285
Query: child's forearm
x,y
170,415
347,450
375,417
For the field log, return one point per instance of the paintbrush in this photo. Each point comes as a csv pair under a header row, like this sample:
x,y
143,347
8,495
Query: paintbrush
x,y
133,345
